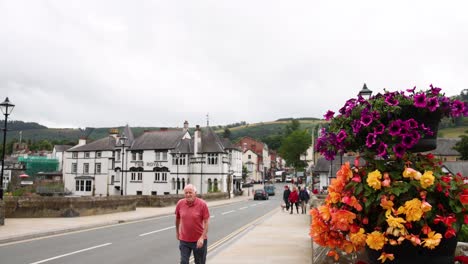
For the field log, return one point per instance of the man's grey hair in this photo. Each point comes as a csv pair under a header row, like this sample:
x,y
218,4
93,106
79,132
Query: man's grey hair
x,y
191,186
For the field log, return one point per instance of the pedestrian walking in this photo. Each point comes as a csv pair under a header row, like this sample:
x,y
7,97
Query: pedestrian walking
x,y
294,199
192,217
304,198
286,193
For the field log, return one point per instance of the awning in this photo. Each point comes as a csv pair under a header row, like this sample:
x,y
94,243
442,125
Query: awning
x,y
24,176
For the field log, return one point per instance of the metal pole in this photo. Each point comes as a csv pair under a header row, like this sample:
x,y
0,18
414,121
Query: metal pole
x,y
177,183
123,168
3,154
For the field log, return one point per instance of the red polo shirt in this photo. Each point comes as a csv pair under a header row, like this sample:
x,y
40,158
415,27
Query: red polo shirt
x,y
191,219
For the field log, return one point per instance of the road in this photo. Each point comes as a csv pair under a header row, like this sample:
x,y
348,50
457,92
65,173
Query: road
x,y
147,241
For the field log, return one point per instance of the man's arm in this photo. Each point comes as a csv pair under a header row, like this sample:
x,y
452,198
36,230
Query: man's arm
x,y
203,235
177,223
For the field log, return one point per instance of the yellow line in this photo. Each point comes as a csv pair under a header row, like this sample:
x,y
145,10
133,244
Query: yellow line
x,y
235,233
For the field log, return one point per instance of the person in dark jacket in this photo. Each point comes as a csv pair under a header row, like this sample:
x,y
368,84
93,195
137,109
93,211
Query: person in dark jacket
x,y
294,199
304,198
286,193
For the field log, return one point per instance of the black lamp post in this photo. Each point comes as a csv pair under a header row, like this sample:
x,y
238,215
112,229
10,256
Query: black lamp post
x,y
365,92
6,107
122,140
177,162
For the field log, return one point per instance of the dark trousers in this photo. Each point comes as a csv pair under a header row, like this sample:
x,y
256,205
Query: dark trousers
x,y
286,201
199,254
297,207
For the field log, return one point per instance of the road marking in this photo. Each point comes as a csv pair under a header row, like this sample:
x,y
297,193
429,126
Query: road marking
x,y
254,205
242,208
212,216
157,231
228,212
71,253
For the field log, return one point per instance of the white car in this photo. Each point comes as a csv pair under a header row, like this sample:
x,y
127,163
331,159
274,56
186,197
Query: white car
x,y
288,178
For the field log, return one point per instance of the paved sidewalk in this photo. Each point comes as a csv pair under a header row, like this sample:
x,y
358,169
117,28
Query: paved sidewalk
x,y
277,238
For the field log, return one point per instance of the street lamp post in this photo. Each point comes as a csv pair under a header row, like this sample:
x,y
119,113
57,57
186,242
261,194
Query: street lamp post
x,y
365,92
6,107
177,176
122,140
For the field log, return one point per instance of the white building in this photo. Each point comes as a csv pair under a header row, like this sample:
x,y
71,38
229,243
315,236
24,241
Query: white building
x,y
155,163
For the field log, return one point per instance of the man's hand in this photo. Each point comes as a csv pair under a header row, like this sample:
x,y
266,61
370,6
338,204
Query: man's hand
x,y
177,235
200,242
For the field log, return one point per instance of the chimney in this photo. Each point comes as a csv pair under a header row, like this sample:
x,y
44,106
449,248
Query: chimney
x,y
195,140
113,132
185,126
82,141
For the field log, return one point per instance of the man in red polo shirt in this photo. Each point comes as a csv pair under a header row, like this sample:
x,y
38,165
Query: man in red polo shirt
x,y
192,217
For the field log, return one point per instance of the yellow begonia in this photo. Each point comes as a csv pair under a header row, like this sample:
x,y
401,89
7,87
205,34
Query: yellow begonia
x,y
427,179
412,209
411,173
373,179
359,238
375,240
432,240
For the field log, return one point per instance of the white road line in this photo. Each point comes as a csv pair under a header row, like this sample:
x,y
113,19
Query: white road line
x,y
212,216
254,205
242,208
71,253
156,231
228,212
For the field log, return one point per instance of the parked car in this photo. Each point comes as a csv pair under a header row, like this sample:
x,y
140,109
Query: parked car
x,y
288,178
260,194
270,189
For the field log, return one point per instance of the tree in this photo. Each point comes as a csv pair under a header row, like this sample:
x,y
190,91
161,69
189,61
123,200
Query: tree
x,y
294,146
273,141
291,127
462,146
227,133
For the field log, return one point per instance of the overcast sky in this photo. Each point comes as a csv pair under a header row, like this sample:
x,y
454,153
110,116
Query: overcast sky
x,y
158,63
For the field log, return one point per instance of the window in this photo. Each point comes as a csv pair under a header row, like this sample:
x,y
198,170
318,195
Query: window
x,y
139,192
140,155
98,154
160,174
160,155
86,154
140,176
75,155
134,156
164,176
98,167
250,156
157,176
74,167
86,168
133,176
153,193
212,158
83,185
88,186
112,179
173,184
117,155
178,161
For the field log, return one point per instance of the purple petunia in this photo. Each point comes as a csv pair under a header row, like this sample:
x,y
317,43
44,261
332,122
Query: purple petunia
x,y
399,150
370,140
432,104
329,115
435,90
341,136
411,123
379,129
356,126
394,128
390,100
458,108
366,119
382,149
420,100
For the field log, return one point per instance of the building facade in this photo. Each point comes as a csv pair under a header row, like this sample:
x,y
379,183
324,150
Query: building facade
x,y
155,163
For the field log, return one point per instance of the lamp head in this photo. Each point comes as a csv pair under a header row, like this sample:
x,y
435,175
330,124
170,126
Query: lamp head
x,y
7,107
365,92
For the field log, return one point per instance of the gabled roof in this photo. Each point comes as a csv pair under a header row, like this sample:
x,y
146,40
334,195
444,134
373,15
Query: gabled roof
x,y
445,147
62,148
162,139
107,143
211,143
128,133
185,146
228,144
323,165
457,167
